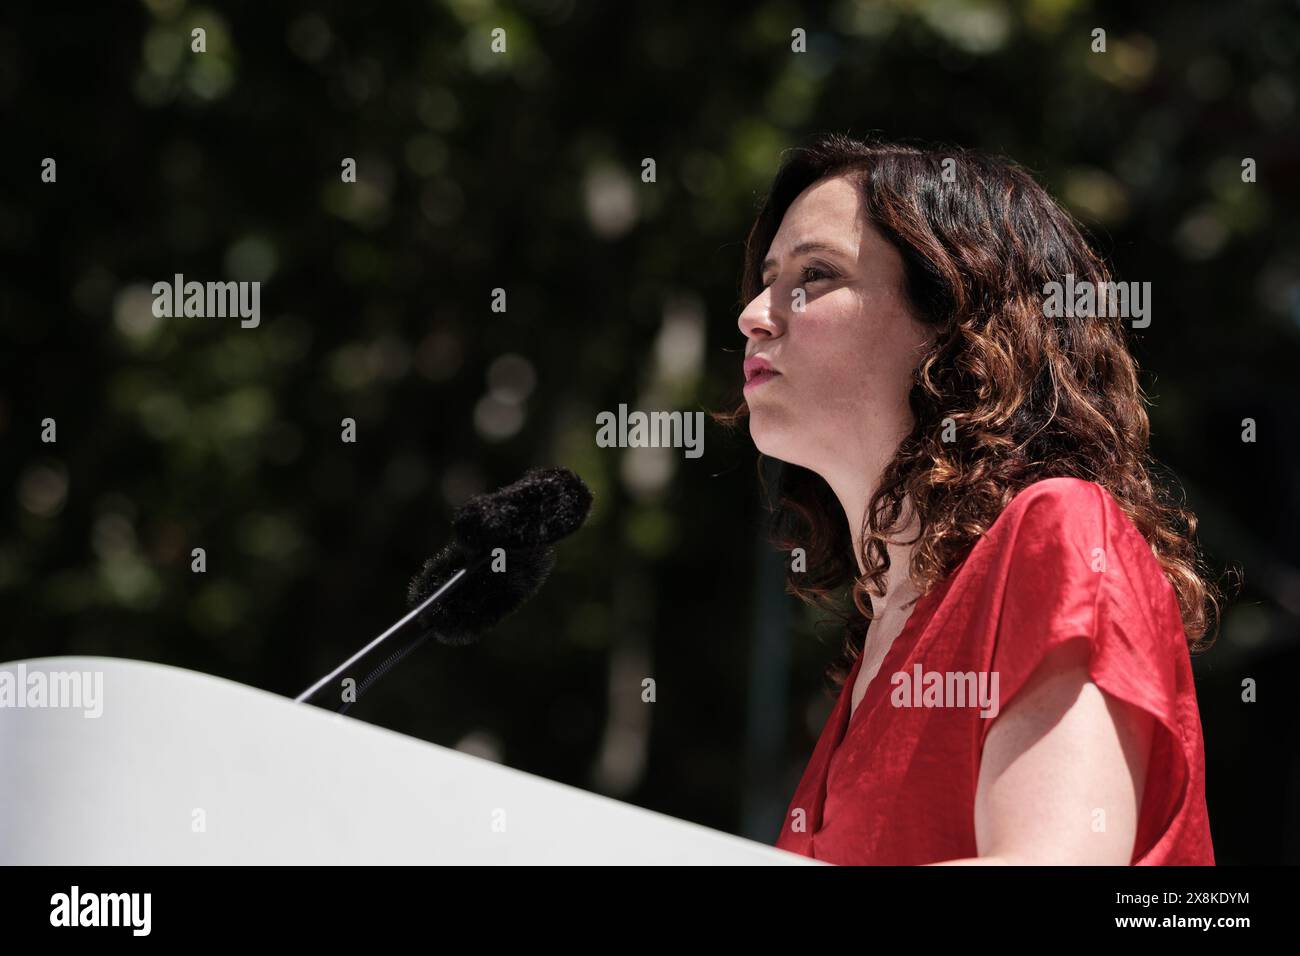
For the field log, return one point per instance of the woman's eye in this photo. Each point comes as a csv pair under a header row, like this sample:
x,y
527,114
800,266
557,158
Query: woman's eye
x,y
806,275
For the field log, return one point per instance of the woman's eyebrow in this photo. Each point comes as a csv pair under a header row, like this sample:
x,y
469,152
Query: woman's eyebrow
x,y
811,245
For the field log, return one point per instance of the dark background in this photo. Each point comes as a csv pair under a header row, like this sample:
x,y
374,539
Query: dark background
x,y
522,171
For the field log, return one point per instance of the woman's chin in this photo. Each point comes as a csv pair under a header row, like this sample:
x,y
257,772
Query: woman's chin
x,y
769,438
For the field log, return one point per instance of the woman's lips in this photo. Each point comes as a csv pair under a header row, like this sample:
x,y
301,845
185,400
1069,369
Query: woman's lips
x,y
759,377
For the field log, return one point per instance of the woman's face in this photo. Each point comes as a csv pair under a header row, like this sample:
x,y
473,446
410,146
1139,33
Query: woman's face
x,y
834,321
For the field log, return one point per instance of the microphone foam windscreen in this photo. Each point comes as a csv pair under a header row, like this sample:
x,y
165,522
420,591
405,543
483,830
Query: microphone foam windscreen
x,y
480,599
539,509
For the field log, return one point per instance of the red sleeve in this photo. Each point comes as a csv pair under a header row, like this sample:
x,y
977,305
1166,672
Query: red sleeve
x,y
1075,566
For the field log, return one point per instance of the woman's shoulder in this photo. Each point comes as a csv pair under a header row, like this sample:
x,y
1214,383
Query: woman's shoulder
x,y
1060,534
1060,495
1063,530
1065,509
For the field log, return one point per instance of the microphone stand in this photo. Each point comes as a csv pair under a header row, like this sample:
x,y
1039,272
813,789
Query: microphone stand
x,y
450,583
392,661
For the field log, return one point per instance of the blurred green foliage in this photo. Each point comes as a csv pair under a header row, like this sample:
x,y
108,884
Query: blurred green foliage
x,y
521,171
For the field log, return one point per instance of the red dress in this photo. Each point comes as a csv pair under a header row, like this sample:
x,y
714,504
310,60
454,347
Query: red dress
x,y
897,785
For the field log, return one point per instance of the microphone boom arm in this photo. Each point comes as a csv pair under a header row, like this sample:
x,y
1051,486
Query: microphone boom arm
x,y
451,582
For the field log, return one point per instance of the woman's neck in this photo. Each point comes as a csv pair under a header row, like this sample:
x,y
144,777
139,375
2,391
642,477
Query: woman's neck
x,y
899,589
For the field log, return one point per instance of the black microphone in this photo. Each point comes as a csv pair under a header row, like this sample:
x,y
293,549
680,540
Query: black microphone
x,y
540,509
514,530
489,597
524,521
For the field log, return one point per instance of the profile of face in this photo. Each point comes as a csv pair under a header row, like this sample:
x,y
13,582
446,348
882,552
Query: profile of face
x,y
833,319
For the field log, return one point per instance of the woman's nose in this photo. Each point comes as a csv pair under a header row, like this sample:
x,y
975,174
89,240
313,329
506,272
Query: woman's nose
x,y
757,319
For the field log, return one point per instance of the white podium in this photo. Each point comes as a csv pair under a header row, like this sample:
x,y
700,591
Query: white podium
x,y
186,768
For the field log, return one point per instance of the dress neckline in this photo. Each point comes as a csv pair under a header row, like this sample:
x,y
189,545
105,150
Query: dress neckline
x,y
850,718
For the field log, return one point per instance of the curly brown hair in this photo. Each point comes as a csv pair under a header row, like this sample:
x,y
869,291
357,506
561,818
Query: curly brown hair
x,y
1028,397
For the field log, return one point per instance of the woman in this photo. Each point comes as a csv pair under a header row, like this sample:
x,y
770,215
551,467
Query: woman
x,y
1018,685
